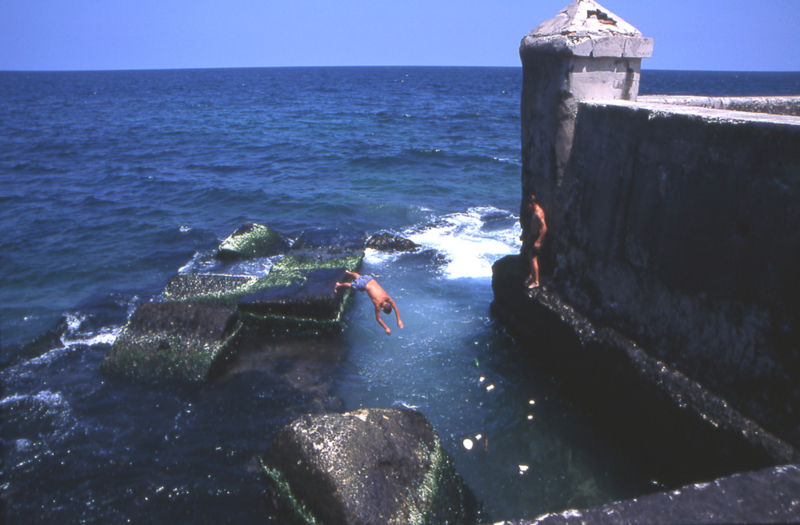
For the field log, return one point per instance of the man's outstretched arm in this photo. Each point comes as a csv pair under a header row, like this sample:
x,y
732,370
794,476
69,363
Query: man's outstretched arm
x,y
380,321
396,312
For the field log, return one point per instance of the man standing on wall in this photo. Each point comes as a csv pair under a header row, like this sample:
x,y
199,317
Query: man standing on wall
x,y
532,241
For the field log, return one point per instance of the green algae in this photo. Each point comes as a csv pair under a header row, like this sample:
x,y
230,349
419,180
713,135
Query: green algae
x,y
429,502
289,325
221,289
285,494
252,240
317,261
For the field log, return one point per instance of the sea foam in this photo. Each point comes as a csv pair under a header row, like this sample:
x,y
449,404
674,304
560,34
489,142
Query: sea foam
x,y
470,241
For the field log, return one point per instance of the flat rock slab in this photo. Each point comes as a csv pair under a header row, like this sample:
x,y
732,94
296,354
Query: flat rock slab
x,y
308,295
300,288
367,466
766,496
175,340
208,288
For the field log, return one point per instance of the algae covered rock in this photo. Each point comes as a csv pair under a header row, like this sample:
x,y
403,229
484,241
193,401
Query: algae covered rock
x,y
300,289
208,288
303,293
187,334
252,240
367,466
174,340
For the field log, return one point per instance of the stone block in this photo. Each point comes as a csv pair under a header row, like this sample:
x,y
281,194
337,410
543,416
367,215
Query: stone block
x,y
299,290
302,293
367,466
173,340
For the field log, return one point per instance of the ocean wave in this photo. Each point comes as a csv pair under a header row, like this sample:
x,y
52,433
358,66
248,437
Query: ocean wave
x,y
469,242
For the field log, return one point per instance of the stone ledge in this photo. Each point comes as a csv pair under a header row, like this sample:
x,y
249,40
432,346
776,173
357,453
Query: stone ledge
x,y
765,496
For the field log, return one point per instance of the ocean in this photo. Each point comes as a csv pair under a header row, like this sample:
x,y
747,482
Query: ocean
x,y
111,182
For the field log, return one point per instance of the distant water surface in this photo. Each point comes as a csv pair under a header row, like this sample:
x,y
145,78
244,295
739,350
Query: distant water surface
x,y
112,181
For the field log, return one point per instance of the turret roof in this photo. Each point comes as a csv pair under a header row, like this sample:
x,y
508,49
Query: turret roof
x,y
585,17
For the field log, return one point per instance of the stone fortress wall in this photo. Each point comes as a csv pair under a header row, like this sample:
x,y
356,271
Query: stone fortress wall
x,y
679,228
671,219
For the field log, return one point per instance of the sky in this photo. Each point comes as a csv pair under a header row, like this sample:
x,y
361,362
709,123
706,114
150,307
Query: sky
x,y
722,35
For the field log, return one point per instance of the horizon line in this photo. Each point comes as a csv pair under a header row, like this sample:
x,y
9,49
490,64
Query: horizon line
x,y
210,68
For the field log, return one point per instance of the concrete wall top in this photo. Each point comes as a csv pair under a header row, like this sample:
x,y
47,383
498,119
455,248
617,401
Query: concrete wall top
x,y
778,105
656,109
585,28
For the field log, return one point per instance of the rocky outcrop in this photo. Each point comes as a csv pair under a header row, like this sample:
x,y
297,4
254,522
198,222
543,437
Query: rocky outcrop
x,y
389,242
366,466
765,496
183,335
174,340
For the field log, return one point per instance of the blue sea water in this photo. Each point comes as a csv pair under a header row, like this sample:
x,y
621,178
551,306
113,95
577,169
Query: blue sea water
x,y
113,181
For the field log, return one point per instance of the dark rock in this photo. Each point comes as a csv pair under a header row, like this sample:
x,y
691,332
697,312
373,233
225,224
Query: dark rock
x,y
173,340
367,466
389,242
304,294
299,293
252,240
766,496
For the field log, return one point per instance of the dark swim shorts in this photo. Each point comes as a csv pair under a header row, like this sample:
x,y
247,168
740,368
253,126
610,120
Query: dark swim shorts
x,y
360,284
533,251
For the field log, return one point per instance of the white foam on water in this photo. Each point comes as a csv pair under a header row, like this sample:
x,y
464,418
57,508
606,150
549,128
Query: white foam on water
x,y
378,257
106,335
205,262
73,336
45,397
468,246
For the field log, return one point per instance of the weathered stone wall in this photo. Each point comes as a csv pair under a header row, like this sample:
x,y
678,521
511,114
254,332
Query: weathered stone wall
x,y
680,227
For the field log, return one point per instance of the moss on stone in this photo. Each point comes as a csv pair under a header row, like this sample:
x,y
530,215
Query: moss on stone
x,y
313,261
163,355
429,503
252,240
284,493
207,288
174,340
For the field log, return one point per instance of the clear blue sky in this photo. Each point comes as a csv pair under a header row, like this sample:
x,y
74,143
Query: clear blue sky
x,y
154,34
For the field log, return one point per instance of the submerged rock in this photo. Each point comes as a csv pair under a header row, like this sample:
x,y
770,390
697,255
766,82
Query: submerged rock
x,y
389,242
173,340
252,240
367,466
